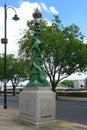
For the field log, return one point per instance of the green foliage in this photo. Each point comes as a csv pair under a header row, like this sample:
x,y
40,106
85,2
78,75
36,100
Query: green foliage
x,y
63,50
1,68
68,83
16,69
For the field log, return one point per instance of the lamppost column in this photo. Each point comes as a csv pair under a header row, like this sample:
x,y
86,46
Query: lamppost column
x,y
5,21
5,42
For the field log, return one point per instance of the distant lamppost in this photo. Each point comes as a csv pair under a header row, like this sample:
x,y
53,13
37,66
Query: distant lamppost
x,y
5,41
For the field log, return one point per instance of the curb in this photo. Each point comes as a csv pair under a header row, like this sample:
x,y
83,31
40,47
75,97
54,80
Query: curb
x,y
82,99
79,125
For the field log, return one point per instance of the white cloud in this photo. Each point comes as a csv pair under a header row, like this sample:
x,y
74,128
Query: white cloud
x,y
44,7
49,9
53,10
77,76
85,41
14,28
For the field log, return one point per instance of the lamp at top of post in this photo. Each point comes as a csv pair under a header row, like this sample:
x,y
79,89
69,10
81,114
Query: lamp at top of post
x,y
37,16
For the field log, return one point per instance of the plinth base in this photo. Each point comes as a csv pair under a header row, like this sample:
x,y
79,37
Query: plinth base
x,y
37,105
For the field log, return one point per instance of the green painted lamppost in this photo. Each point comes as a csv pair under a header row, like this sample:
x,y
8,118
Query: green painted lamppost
x,y
5,41
37,76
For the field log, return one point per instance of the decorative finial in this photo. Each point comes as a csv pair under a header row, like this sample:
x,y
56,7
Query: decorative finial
x,y
37,14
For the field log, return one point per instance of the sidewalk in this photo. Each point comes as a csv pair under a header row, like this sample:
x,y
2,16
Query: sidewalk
x,y
9,120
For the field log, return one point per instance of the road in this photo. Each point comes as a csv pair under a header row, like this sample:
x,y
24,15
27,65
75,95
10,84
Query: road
x,y
74,111
12,101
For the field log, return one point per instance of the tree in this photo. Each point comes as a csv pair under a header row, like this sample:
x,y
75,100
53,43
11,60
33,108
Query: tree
x,y
1,67
16,70
68,83
63,49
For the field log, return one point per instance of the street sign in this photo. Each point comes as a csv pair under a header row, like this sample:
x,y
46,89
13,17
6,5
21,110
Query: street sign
x,y
5,81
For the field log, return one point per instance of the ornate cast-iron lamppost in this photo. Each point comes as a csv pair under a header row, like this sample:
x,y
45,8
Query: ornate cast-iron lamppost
x,y
37,76
37,97
5,41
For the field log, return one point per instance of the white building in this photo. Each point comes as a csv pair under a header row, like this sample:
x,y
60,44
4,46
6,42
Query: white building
x,y
80,83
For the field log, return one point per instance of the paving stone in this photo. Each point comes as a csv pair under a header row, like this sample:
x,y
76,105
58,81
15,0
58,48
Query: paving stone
x,y
9,120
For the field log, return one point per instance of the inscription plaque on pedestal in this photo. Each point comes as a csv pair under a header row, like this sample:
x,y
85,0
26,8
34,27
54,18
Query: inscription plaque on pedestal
x,y
26,107
46,107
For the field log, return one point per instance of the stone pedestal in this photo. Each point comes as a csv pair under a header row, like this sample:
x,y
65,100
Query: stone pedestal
x,y
37,105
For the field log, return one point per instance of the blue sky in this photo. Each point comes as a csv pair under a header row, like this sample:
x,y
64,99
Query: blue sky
x,y
69,11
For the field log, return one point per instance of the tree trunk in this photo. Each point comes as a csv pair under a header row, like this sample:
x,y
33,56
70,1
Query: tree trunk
x,y
53,87
13,90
